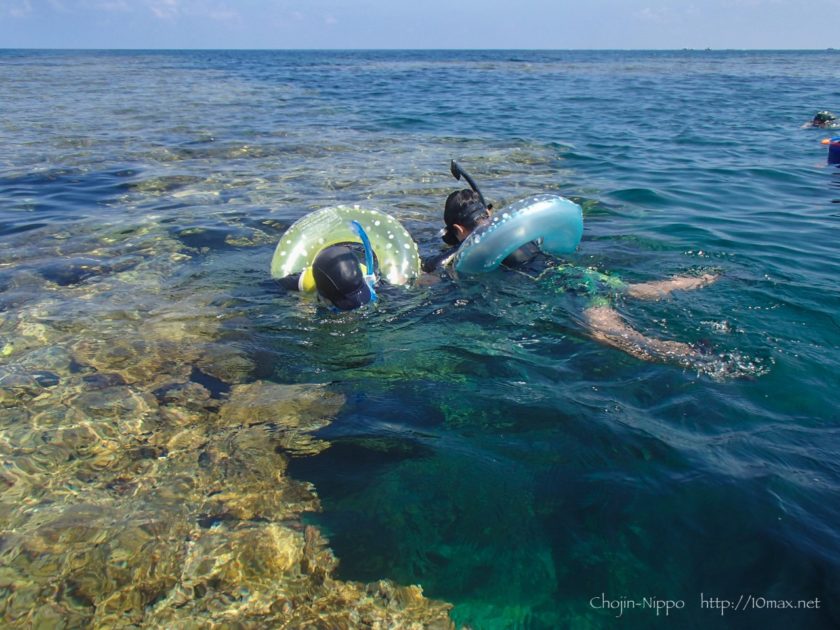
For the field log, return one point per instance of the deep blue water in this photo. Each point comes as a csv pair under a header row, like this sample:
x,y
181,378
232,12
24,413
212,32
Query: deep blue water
x,y
489,450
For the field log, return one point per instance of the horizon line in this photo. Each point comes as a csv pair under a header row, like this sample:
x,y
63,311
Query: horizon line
x,y
388,49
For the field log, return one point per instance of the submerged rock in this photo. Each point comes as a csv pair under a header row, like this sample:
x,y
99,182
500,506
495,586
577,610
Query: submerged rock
x,y
224,363
293,411
132,505
143,482
73,271
135,359
269,576
299,407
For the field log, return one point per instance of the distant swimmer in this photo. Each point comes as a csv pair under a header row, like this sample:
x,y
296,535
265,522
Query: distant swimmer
x,y
824,120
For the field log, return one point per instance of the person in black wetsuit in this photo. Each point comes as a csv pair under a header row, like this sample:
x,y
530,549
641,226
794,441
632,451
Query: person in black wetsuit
x,y
338,277
825,120
465,211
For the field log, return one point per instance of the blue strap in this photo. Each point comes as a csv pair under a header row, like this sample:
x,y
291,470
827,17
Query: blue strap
x,y
370,276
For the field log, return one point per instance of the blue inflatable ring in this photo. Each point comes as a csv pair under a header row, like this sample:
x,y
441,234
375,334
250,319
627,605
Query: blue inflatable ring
x,y
556,223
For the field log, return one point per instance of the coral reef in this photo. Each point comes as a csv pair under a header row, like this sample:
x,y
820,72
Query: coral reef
x,y
143,481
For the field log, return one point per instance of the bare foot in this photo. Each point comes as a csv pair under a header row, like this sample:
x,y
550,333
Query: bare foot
x,y
662,288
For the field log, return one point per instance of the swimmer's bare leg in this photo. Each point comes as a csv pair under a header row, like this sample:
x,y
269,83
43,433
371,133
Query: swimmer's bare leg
x,y
606,325
660,289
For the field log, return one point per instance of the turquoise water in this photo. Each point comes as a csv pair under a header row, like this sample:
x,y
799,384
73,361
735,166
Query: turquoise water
x,y
488,448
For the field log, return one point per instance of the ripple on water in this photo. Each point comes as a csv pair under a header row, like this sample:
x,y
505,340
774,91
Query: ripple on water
x,y
156,393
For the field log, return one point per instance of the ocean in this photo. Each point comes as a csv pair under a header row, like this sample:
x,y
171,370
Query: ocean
x,y
469,436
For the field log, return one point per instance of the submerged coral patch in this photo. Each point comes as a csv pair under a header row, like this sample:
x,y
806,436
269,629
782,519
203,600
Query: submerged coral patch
x,y
143,479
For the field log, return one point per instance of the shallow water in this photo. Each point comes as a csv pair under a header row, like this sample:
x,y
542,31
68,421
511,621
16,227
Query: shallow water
x,y
476,440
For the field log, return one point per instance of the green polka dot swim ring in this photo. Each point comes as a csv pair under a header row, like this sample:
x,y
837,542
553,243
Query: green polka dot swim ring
x,y
395,250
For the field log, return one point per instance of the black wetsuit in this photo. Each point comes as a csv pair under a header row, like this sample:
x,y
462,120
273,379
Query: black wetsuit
x,y
529,259
290,283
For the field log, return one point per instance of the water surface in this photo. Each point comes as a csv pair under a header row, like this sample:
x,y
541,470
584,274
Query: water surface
x,y
484,446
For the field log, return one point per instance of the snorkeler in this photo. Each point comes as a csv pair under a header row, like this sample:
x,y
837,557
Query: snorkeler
x,y
463,213
824,120
338,279
466,211
342,252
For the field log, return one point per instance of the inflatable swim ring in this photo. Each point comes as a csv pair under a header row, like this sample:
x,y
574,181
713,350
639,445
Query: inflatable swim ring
x,y
555,222
395,250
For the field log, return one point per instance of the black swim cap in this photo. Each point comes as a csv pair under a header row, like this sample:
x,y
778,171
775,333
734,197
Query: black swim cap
x,y
465,208
824,116
339,279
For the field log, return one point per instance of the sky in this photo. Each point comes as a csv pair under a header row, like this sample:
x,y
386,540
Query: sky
x,y
448,24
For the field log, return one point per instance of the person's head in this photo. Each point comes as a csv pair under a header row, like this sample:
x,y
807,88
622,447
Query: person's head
x,y
463,213
821,119
339,278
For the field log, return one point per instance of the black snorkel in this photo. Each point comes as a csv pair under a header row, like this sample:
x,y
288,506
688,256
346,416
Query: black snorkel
x,y
458,173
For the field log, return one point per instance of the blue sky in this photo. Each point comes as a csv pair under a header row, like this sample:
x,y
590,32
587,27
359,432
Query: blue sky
x,y
419,24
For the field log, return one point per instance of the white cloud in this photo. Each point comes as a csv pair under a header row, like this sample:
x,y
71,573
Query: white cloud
x,y
172,10
650,14
164,9
16,8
